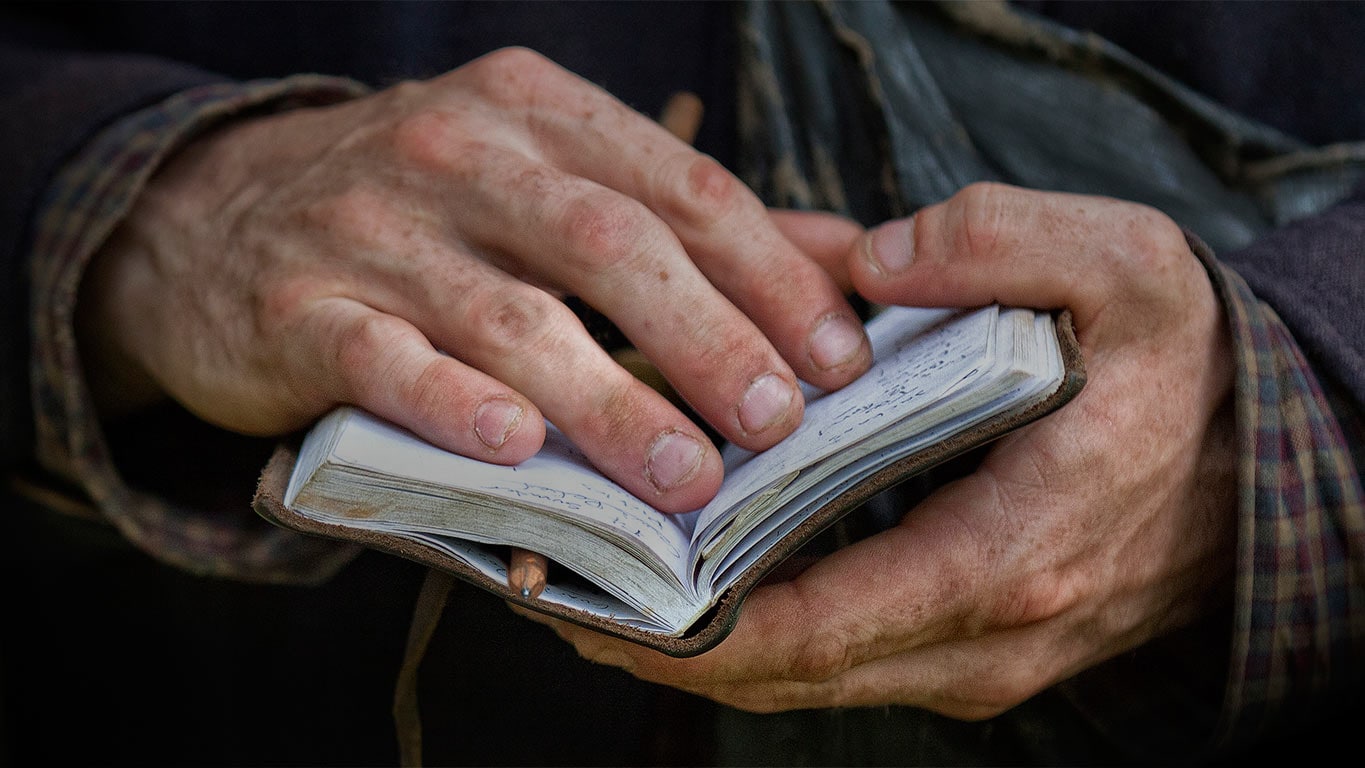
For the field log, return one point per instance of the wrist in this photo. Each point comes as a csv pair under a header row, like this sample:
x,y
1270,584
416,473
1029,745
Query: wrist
x,y
126,304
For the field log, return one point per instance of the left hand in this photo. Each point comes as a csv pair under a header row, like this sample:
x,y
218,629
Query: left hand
x,y
1079,537
408,251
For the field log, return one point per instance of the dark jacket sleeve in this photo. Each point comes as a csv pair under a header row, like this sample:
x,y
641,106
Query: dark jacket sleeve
x,y
1312,273
54,99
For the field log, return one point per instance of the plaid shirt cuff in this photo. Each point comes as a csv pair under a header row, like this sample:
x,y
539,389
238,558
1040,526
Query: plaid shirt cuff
x,y
1299,616
86,201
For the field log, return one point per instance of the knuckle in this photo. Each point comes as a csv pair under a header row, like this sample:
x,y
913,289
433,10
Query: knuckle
x,y
1148,263
427,139
604,232
1038,598
821,657
1154,246
504,76
403,95
696,191
277,303
367,343
515,60
1153,231
981,207
517,319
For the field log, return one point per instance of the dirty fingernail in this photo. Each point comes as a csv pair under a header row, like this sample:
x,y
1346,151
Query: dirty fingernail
x,y
836,341
496,420
673,459
765,403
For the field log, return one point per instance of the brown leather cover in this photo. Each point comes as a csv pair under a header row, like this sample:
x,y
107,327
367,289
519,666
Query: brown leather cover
x,y
718,622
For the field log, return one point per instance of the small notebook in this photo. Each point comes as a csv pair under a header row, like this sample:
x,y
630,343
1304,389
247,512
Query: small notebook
x,y
943,382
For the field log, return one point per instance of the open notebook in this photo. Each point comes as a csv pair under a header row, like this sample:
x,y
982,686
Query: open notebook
x,y
942,382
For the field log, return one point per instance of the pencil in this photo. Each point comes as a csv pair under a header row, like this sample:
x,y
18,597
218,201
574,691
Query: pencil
x,y
682,115
527,572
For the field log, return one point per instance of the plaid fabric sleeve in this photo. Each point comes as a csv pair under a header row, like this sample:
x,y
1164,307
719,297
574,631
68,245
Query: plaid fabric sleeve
x,y
1299,618
87,199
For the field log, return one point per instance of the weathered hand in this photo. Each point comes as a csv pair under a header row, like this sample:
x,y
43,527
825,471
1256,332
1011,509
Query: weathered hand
x,y
407,252
1079,537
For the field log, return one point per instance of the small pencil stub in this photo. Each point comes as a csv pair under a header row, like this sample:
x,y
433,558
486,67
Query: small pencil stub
x,y
527,572
682,115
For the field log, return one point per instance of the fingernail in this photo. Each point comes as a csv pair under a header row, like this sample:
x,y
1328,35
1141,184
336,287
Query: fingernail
x,y
673,459
836,340
496,420
891,246
765,403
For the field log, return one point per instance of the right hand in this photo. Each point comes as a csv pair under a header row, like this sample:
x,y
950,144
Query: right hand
x,y
1077,538
406,252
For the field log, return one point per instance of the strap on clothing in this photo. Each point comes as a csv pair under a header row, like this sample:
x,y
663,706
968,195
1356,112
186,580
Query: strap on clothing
x,y
426,615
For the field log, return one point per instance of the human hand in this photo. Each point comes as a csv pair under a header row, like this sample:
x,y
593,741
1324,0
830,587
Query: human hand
x,y
1080,536
407,252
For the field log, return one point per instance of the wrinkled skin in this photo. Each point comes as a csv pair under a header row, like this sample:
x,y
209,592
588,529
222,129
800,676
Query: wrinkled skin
x,y
407,252
1080,536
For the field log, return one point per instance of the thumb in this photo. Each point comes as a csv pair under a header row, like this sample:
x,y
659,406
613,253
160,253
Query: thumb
x,y
996,243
